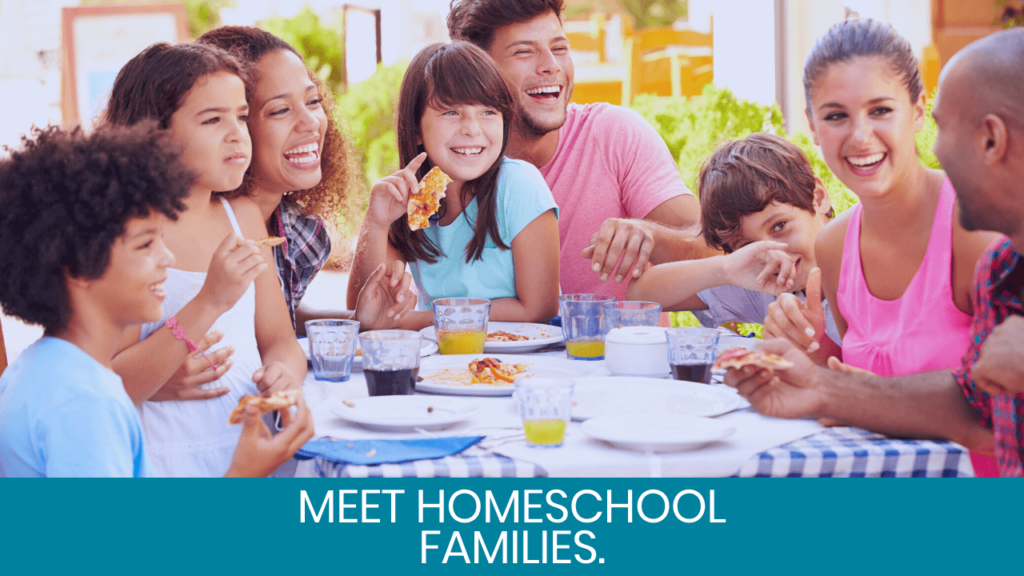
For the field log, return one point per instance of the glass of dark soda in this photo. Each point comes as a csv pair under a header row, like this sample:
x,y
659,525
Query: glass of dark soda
x,y
391,361
691,352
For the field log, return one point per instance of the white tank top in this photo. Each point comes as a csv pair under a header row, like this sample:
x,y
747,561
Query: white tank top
x,y
192,438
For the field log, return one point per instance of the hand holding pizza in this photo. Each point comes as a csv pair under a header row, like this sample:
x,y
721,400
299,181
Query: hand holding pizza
x,y
389,198
385,297
236,263
791,392
258,452
761,266
802,323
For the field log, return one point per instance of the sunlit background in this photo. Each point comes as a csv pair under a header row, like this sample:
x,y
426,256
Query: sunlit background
x,y
698,70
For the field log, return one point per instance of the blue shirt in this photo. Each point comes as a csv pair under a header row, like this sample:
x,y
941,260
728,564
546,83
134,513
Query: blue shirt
x,y
65,414
522,197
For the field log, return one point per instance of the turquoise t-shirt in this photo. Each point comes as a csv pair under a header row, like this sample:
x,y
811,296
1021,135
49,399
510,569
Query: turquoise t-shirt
x,y
65,414
522,197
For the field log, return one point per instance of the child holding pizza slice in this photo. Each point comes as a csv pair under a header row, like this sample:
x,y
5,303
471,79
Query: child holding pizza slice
x,y
763,206
496,234
84,256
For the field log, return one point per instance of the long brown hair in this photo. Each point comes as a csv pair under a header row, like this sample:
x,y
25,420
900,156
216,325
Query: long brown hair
x,y
338,159
153,84
447,75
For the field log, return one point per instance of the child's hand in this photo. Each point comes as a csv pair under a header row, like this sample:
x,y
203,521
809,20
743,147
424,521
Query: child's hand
x,y
193,372
258,452
802,323
275,377
999,369
389,198
761,266
385,297
236,263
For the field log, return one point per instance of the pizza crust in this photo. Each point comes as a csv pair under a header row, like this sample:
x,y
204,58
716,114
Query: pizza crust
x,y
425,203
269,242
265,404
737,358
502,336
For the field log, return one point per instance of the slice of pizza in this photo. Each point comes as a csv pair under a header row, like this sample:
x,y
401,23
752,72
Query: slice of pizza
x,y
736,358
265,404
269,242
423,204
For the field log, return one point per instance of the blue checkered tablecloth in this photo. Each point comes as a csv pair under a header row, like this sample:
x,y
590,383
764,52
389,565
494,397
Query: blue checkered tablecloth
x,y
834,453
854,453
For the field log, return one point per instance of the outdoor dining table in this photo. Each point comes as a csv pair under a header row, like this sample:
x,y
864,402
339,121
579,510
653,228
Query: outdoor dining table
x,y
761,446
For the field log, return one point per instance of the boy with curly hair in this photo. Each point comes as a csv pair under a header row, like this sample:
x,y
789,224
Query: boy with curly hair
x,y
83,255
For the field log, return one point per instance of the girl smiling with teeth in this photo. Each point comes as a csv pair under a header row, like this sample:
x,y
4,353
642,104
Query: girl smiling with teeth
x,y
496,235
898,267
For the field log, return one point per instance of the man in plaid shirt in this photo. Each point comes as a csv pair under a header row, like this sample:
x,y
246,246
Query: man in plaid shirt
x,y
980,114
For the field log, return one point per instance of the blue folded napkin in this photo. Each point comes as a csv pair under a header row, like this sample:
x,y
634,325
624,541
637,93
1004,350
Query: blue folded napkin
x,y
368,452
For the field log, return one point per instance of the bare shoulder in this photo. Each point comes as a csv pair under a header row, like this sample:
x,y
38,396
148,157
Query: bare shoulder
x,y
828,247
250,219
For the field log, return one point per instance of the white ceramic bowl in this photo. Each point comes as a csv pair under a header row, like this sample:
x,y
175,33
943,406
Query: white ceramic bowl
x,y
637,351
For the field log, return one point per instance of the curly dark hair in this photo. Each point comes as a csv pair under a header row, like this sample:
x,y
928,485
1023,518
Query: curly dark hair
x,y
66,198
338,160
154,83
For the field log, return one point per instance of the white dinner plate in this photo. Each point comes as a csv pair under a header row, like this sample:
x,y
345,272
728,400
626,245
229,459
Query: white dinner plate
x,y
621,395
540,335
426,349
405,413
441,374
656,432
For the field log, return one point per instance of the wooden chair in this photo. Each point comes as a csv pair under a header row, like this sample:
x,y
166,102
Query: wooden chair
x,y
667,62
930,69
3,351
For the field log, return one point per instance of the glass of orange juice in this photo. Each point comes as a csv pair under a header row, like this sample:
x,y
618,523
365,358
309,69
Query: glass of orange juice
x,y
584,324
545,405
461,324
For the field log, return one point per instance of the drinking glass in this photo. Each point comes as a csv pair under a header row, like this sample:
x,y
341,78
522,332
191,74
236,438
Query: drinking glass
x,y
332,346
632,313
461,324
691,352
545,405
584,324
391,361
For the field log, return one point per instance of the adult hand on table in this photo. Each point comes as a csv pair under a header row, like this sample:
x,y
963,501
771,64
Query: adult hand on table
x,y
631,239
258,452
802,323
1000,366
790,393
195,370
385,297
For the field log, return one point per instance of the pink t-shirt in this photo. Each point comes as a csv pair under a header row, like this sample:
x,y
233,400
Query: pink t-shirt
x,y
610,163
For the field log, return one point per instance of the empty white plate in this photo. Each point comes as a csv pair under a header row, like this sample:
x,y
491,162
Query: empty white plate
x,y
540,335
656,432
605,396
405,413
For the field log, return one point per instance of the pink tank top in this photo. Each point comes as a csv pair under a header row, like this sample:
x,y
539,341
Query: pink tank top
x,y
921,331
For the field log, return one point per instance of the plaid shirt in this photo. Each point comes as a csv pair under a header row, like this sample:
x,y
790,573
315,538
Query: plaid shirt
x,y
996,297
304,252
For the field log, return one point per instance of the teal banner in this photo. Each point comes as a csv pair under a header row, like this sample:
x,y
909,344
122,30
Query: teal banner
x,y
594,526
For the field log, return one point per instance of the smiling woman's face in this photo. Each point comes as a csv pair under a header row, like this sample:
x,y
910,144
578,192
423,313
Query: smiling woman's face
x,y
288,125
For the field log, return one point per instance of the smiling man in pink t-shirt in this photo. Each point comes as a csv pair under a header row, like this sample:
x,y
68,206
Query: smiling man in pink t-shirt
x,y
614,179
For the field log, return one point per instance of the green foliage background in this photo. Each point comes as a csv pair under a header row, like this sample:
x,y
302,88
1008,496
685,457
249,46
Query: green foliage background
x,y
321,45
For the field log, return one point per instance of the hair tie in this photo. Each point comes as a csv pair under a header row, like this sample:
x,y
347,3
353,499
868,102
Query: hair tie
x,y
179,333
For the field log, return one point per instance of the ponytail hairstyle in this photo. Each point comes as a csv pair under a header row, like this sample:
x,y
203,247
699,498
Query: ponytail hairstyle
x,y
338,159
448,75
847,40
153,84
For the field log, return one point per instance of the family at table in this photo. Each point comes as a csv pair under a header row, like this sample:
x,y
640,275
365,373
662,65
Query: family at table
x,y
137,246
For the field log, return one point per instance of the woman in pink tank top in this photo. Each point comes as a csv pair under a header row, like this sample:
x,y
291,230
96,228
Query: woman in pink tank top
x,y
897,268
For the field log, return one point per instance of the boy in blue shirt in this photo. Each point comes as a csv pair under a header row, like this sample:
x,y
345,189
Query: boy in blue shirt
x,y
83,255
